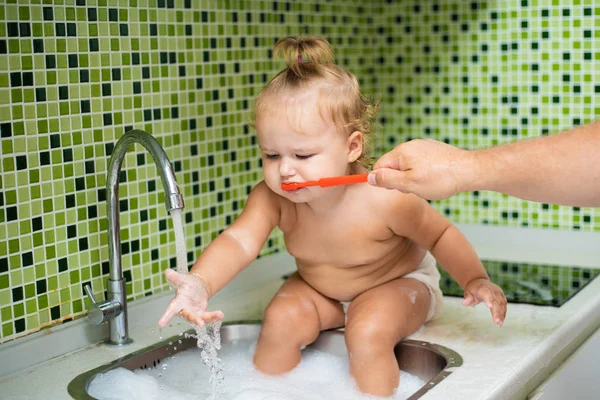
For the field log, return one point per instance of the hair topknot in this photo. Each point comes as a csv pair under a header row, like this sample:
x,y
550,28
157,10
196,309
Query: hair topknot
x,y
311,66
297,51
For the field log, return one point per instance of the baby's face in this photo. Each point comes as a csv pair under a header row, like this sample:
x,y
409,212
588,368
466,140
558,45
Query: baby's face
x,y
298,145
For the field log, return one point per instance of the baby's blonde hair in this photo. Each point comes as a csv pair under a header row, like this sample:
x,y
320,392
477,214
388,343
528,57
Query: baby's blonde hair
x,y
310,63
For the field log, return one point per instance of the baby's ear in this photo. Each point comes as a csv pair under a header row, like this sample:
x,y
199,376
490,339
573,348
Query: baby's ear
x,y
355,146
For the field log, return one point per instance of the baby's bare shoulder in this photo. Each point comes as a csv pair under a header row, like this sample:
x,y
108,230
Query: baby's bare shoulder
x,y
392,201
285,209
268,203
263,195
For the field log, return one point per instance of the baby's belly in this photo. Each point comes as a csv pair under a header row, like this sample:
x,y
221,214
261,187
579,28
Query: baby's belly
x,y
344,283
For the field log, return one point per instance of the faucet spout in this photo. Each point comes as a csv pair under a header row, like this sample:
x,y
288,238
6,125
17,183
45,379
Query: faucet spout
x,y
117,321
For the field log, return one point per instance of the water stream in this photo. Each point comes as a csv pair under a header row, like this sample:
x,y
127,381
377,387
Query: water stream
x,y
176,216
209,336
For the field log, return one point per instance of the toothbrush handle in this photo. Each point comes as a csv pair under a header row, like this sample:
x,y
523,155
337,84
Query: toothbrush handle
x,y
342,180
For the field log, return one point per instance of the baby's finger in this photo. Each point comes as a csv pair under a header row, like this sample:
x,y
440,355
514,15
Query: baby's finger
x,y
470,300
499,310
193,318
172,309
211,316
173,276
486,295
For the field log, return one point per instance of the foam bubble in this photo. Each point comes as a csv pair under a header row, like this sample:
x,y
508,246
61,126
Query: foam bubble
x,y
318,376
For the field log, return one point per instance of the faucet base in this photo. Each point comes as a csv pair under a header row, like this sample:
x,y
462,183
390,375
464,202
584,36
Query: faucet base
x,y
127,342
118,332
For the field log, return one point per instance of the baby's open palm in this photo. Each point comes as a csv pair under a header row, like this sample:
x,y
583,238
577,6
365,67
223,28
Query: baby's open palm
x,y
484,290
190,301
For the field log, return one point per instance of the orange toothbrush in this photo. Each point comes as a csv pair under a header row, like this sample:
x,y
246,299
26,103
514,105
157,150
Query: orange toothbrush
x,y
326,182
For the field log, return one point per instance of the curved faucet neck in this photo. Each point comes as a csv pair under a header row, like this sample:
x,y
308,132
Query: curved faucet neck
x,y
114,309
173,198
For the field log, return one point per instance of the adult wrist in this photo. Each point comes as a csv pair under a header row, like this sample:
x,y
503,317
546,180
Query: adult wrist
x,y
470,174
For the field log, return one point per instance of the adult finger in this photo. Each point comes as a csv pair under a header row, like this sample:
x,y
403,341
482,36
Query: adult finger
x,y
390,179
389,160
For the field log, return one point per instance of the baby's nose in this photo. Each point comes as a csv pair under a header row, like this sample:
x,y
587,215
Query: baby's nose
x,y
285,168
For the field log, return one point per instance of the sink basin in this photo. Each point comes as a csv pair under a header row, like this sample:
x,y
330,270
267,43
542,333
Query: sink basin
x,y
430,362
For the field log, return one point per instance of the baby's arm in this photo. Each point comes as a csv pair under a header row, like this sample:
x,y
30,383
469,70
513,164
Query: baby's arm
x,y
421,223
229,253
239,244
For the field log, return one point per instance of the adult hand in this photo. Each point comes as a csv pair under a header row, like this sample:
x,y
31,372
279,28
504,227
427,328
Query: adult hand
x,y
191,300
430,169
479,290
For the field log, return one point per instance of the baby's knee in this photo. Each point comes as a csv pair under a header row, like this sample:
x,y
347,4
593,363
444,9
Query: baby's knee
x,y
369,337
291,317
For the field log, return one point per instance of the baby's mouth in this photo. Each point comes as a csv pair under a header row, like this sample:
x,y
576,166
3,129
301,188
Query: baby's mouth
x,y
291,187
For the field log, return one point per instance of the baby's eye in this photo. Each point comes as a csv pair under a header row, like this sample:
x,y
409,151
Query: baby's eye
x,y
304,156
272,156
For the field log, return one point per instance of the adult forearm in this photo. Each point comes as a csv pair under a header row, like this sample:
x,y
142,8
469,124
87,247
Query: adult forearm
x,y
560,169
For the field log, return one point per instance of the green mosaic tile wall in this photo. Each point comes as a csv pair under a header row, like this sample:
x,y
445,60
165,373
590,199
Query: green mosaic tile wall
x,y
76,74
480,73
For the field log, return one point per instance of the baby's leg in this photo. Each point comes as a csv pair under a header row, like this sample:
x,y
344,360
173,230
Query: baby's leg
x,y
377,320
294,318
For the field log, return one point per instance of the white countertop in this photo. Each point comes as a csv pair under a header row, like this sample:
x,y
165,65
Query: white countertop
x,y
510,361
498,363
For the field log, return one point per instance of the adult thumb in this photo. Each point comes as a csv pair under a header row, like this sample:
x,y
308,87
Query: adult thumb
x,y
389,179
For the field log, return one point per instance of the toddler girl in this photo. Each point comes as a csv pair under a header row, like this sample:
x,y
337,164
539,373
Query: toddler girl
x,y
365,256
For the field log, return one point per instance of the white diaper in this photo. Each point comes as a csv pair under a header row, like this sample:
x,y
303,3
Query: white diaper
x,y
427,273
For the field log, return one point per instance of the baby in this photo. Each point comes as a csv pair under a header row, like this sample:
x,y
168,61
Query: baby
x,y
366,257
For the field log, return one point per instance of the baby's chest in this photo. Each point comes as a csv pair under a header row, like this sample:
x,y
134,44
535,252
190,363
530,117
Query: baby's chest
x,y
336,241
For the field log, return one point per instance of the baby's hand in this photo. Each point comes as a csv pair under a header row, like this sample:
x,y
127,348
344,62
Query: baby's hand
x,y
479,290
191,300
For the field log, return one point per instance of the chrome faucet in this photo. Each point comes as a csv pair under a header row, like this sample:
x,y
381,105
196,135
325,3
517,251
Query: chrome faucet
x,y
114,308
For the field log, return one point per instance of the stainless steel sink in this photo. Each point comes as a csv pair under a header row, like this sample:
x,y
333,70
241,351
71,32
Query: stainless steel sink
x,y
430,362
